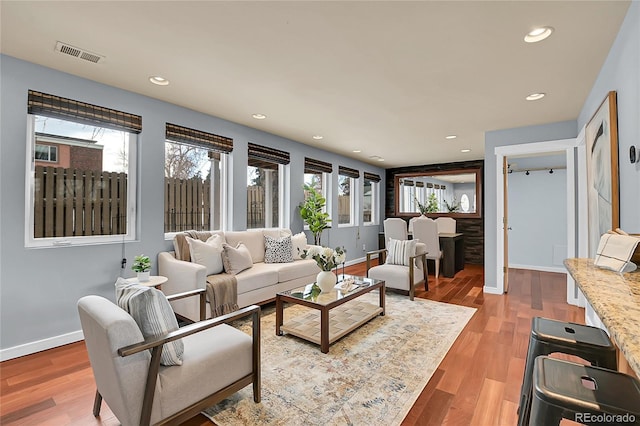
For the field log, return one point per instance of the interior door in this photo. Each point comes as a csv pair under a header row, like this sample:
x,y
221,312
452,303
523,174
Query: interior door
x,y
505,226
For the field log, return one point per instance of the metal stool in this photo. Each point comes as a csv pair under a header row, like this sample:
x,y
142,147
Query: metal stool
x,y
582,393
548,336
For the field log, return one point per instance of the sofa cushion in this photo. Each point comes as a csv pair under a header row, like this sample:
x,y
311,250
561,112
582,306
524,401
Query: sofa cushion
x,y
152,312
298,243
253,239
277,250
297,269
276,232
236,259
259,276
207,254
181,246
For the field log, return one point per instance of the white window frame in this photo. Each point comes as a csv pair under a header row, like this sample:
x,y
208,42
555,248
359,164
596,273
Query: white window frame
x,y
353,194
48,242
284,187
49,147
224,194
374,203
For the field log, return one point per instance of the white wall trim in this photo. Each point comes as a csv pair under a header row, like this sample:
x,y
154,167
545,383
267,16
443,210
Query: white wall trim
x,y
491,290
40,345
558,269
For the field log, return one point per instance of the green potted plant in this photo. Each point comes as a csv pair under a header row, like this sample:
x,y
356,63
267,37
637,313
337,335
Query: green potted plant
x,y
431,206
311,212
454,206
142,265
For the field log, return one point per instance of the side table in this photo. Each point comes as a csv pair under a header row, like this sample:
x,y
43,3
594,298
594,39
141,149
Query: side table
x,y
154,281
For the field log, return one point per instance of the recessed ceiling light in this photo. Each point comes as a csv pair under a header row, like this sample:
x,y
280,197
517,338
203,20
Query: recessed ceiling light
x,y
160,81
465,150
535,96
380,159
450,137
259,116
357,150
538,34
318,137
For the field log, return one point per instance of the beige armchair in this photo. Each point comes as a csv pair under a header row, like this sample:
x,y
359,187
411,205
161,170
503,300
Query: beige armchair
x,y
403,278
218,361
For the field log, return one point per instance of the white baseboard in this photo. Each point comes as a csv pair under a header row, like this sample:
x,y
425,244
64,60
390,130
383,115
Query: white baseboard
x,y
558,269
359,260
491,290
40,345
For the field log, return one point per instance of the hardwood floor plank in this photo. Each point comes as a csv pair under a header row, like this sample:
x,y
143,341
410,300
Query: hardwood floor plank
x,y
478,380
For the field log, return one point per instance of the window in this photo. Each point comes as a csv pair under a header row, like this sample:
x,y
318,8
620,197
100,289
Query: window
x,y
194,172
48,153
266,173
89,196
370,205
317,174
346,196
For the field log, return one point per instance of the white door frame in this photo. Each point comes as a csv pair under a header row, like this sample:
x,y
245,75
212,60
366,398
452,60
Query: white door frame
x,y
569,147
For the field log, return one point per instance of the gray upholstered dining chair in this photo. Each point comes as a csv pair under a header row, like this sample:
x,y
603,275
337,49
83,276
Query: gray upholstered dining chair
x,y
396,228
446,225
218,360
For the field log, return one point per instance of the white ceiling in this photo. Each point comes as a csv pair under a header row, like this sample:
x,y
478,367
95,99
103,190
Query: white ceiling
x,y
390,78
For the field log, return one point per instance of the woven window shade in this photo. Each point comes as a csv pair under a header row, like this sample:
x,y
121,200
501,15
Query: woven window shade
x,y
316,166
419,184
443,187
346,171
429,185
436,186
209,141
68,109
372,177
408,182
267,158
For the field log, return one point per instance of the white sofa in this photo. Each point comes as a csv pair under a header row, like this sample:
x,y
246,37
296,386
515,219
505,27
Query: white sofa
x,y
256,285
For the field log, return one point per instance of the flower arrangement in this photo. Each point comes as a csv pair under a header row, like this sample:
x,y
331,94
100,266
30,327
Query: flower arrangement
x,y
326,258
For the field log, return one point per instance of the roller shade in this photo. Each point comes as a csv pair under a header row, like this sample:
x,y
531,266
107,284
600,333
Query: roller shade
x,y
209,141
260,153
67,109
346,171
317,166
372,177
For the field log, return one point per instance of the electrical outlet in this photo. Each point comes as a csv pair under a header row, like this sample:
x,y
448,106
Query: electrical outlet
x,y
364,247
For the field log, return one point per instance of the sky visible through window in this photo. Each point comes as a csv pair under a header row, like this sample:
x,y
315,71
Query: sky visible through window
x,y
115,151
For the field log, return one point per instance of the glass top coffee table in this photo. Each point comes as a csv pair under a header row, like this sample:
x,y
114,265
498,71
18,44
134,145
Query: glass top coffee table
x,y
337,317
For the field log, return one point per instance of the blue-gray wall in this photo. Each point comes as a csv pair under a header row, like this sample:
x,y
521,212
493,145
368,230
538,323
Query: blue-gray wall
x,y
40,287
620,72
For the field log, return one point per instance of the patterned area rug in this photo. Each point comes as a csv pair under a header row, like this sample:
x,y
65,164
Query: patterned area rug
x,y
372,376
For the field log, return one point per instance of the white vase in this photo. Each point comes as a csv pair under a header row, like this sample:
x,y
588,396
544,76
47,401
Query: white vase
x,y
326,280
143,276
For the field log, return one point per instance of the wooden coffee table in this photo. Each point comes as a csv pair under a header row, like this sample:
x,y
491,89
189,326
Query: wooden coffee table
x,y
337,317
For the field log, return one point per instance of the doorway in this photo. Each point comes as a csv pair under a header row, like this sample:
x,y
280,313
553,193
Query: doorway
x,y
570,148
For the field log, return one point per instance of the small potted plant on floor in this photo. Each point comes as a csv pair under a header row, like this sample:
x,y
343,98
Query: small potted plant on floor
x,y
142,265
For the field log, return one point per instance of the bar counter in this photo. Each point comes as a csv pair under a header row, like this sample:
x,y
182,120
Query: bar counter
x,y
615,298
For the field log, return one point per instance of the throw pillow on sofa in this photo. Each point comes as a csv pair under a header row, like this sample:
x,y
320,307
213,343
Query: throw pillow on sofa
x,y
236,259
152,312
298,244
207,254
277,250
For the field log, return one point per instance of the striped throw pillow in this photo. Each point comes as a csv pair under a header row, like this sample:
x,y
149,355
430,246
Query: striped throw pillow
x,y
152,312
399,251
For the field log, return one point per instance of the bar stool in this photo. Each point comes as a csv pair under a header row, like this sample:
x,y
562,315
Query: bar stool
x,y
548,336
582,393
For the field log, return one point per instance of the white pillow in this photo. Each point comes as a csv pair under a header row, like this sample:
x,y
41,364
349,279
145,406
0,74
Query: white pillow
x,y
207,254
399,251
298,243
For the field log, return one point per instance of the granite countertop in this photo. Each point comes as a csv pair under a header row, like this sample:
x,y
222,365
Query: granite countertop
x,y
615,297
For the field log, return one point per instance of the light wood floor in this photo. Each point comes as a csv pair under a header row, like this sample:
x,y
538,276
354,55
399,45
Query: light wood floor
x,y
478,382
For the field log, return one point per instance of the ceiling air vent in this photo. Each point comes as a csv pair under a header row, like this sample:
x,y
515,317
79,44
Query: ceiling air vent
x,y
67,49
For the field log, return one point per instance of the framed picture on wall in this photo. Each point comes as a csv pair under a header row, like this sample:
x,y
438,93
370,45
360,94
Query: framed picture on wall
x,y
601,136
